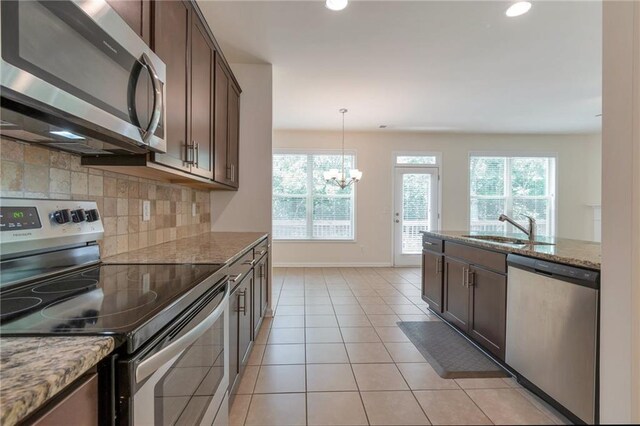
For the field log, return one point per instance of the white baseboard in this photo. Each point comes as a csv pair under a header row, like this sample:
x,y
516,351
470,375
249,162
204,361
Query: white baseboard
x,y
333,265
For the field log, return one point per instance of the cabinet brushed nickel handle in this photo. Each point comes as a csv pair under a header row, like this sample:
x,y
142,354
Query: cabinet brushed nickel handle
x,y
197,154
471,278
244,303
429,243
262,252
249,262
189,150
235,279
465,271
242,308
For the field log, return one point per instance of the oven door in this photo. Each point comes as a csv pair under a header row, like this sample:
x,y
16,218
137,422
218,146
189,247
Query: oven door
x,y
182,378
77,65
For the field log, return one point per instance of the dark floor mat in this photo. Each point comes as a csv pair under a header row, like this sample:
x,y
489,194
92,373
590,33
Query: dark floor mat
x,y
450,354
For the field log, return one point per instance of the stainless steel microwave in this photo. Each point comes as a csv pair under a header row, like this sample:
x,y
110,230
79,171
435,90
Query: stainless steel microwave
x,y
76,77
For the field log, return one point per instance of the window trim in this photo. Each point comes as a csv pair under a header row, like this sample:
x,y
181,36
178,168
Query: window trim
x,y
436,154
319,151
519,154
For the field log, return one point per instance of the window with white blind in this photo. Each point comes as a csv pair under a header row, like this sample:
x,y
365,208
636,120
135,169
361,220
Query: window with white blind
x,y
305,206
516,186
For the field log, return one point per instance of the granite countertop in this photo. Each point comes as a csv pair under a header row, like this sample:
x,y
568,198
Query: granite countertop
x,y
579,253
33,369
212,247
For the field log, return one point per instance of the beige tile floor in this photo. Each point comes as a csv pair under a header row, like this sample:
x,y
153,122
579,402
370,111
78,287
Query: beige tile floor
x,y
333,355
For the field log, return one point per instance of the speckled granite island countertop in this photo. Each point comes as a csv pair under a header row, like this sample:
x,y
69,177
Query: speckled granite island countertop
x,y
585,254
33,369
212,247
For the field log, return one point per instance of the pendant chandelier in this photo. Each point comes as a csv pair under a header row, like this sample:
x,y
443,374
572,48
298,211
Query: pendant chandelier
x,y
338,177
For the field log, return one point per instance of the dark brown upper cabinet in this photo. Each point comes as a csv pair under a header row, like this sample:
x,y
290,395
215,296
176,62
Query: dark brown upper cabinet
x,y
137,14
202,102
189,55
202,75
171,25
226,123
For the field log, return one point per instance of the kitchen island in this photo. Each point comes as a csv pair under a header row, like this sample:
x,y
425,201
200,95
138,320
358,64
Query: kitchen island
x,y
585,254
465,277
532,305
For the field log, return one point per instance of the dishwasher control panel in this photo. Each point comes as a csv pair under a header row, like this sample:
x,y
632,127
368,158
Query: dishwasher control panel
x,y
582,276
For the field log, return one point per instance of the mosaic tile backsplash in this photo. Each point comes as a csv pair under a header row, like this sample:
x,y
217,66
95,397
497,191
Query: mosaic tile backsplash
x,y
28,171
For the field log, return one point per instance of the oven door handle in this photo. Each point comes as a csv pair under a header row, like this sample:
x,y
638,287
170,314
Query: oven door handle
x,y
157,360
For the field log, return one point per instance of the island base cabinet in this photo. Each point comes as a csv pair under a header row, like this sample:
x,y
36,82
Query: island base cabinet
x,y
475,300
488,309
456,301
432,267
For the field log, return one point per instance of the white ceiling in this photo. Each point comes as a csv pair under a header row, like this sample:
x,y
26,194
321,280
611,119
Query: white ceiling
x,y
449,66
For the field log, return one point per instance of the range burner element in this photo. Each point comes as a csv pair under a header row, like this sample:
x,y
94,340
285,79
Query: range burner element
x,y
89,306
62,286
10,306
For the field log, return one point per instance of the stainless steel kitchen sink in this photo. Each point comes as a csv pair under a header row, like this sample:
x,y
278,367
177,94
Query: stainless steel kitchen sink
x,y
507,240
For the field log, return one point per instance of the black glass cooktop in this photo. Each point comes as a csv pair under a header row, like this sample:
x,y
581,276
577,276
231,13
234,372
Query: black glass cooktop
x,y
131,302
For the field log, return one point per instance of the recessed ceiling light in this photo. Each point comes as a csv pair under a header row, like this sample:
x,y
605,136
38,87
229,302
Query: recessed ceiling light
x,y
518,8
336,4
67,134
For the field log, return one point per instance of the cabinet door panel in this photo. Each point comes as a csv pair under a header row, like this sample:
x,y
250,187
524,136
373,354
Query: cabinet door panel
x,y
221,171
234,321
131,11
245,326
171,38
264,271
487,322
255,300
201,105
432,279
234,136
456,307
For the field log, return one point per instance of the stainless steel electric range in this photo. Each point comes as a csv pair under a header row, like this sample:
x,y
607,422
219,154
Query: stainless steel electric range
x,y
169,321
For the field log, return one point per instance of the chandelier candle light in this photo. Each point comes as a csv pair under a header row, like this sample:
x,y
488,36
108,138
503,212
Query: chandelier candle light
x,y
339,178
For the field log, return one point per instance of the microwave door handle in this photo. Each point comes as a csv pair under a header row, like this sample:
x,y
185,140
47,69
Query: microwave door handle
x,y
157,360
157,99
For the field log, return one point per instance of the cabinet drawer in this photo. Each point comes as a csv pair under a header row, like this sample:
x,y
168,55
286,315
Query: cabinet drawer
x,y
432,243
261,249
477,256
240,268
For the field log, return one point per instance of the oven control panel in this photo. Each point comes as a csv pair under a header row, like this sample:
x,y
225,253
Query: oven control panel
x,y
34,224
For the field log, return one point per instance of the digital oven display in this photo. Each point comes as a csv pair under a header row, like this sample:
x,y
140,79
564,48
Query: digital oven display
x,y
17,218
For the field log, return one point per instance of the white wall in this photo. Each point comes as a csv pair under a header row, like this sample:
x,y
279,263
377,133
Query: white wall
x,y
620,287
578,186
249,209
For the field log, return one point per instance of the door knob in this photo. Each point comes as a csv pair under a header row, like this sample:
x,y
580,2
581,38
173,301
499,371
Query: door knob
x,y
397,220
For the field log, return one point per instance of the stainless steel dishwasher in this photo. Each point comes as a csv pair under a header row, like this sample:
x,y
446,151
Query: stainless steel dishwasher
x,y
552,333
